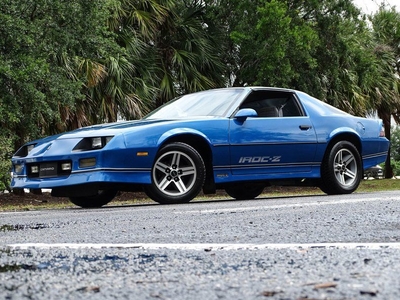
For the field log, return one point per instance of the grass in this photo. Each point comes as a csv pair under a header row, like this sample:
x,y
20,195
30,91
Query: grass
x,y
379,185
10,202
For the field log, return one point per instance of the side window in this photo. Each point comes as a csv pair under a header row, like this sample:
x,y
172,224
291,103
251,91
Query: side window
x,y
269,104
292,108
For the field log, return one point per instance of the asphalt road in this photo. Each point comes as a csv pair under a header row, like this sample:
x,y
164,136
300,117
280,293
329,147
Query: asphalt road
x,y
317,247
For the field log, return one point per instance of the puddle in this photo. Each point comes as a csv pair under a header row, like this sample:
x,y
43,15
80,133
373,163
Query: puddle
x,y
7,228
150,258
17,227
70,262
10,268
16,267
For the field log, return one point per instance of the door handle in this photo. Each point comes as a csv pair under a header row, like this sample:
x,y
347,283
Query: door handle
x,y
305,127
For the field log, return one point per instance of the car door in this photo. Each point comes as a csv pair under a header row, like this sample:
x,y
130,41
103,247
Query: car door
x,y
280,140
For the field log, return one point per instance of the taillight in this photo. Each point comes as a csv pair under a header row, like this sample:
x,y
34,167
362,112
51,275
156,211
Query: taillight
x,y
382,133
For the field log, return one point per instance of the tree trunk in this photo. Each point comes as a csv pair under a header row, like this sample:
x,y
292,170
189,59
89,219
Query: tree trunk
x,y
386,118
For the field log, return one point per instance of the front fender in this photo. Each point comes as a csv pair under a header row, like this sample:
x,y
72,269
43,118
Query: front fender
x,y
180,131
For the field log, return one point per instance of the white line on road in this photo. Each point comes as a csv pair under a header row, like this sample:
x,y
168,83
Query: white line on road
x,y
267,207
207,247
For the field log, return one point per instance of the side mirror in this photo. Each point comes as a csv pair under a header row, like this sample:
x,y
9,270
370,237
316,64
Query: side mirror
x,y
245,113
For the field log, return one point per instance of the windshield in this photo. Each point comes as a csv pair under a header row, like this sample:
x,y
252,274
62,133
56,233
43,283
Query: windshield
x,y
207,103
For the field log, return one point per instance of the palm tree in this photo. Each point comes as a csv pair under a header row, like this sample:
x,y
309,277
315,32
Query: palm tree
x,y
385,92
122,83
166,49
187,52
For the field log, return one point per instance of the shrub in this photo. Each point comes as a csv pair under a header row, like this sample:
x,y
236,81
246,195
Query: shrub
x,y
5,162
396,167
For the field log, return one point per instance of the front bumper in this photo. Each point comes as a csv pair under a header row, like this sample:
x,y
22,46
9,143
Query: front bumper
x,y
108,176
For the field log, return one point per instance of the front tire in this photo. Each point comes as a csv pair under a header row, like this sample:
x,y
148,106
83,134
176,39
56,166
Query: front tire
x,y
101,198
341,169
177,175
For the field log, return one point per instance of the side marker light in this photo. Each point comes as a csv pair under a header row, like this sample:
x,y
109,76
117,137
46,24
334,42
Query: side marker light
x,y
144,153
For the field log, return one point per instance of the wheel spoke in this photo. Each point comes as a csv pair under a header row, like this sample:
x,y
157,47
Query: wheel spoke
x,y
176,159
188,171
340,177
350,174
349,160
340,157
161,166
180,186
163,184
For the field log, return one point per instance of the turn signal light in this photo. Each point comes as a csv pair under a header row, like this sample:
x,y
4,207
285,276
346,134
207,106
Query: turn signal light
x,y
87,162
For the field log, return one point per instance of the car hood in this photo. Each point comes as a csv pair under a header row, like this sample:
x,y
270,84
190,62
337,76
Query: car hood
x,y
110,129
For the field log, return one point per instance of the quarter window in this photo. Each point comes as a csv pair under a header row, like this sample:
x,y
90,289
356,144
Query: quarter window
x,y
269,104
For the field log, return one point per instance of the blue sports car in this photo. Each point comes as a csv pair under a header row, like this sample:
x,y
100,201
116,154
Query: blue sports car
x,y
238,139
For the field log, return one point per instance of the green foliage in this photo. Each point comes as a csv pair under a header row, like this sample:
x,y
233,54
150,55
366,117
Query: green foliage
x,y
186,51
273,45
395,143
315,46
395,164
36,38
386,92
386,25
165,50
6,150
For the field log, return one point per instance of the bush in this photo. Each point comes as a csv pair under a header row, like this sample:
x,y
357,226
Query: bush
x,y
396,167
6,150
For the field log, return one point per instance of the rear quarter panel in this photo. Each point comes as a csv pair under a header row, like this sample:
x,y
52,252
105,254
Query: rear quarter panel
x,y
330,122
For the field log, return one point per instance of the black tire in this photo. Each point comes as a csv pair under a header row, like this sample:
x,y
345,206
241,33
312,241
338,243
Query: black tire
x,y
341,169
102,198
245,191
177,175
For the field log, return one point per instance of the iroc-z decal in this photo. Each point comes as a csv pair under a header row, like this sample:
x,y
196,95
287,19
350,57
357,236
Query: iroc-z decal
x,y
259,159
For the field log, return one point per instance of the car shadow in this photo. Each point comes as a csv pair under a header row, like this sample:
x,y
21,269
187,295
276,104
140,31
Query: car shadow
x,y
206,201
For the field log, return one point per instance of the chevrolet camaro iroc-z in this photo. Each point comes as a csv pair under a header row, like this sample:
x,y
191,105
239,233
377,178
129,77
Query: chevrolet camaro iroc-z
x,y
238,139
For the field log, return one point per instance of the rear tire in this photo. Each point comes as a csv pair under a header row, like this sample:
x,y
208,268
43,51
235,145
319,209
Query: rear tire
x,y
177,175
102,198
245,191
341,169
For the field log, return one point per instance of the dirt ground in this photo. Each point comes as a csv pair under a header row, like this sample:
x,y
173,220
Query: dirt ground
x,y
31,199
